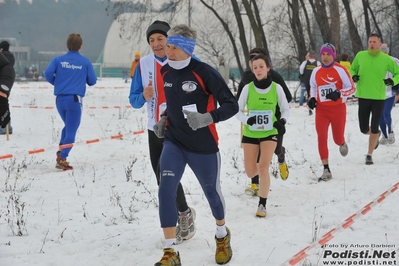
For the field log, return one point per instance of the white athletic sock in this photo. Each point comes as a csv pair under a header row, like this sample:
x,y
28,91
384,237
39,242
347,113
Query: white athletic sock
x,y
220,231
171,243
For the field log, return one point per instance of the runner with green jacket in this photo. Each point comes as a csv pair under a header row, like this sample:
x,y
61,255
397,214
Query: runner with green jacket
x,y
368,70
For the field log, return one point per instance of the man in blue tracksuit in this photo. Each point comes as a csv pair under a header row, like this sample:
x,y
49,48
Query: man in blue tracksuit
x,y
69,74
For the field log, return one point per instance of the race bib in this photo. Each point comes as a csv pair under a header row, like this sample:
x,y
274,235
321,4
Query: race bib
x,y
191,108
264,120
324,90
161,109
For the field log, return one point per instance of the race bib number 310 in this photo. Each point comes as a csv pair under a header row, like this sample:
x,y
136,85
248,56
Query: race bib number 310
x,y
264,120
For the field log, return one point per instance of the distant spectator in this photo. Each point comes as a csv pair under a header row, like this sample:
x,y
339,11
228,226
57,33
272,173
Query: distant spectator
x,y
305,71
224,69
4,49
7,77
344,61
135,63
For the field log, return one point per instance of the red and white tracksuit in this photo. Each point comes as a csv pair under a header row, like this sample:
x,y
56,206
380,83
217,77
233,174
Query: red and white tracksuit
x,y
326,79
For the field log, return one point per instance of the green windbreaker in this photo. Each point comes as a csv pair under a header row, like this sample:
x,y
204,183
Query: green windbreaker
x,y
372,71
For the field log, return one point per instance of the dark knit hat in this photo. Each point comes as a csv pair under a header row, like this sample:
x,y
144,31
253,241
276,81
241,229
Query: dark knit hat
x,y
4,45
158,26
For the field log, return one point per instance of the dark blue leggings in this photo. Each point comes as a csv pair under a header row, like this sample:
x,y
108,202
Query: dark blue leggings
x,y
206,168
386,118
70,109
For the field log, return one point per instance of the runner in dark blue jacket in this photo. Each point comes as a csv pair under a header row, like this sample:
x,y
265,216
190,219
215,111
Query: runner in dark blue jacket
x,y
197,97
69,73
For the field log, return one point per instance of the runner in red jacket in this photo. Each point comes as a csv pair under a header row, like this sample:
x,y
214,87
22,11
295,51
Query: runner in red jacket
x,y
330,86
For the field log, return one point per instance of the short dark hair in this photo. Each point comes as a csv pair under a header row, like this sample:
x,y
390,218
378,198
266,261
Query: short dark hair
x,y
74,42
258,50
264,57
375,35
344,57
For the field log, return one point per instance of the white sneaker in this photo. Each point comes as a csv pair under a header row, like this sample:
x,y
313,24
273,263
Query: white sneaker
x,y
325,176
343,149
261,212
391,138
186,227
383,140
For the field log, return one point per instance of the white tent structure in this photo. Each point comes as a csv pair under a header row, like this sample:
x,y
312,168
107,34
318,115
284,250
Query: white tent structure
x,y
118,49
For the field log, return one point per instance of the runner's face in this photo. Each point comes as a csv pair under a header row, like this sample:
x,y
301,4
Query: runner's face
x,y
327,58
158,44
374,43
260,69
250,59
174,53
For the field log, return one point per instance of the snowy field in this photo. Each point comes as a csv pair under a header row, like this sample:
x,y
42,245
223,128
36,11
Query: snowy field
x,y
105,211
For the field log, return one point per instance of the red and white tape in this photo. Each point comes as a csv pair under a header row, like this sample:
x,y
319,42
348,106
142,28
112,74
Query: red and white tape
x,y
91,141
89,107
301,255
51,87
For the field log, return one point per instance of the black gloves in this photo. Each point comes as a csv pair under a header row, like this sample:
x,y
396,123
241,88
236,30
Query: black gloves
x,y
4,112
312,103
280,126
335,95
355,78
251,120
388,82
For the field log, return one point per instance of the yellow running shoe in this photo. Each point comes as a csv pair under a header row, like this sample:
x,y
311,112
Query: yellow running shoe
x,y
223,249
283,170
252,190
170,258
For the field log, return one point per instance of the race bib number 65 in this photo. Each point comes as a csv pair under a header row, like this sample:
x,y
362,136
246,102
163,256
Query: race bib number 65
x,y
264,120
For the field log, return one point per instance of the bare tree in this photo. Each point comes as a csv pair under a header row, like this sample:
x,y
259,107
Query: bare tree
x,y
320,13
311,36
297,29
353,31
335,24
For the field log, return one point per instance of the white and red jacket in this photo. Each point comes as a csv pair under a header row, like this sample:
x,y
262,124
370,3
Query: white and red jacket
x,y
328,79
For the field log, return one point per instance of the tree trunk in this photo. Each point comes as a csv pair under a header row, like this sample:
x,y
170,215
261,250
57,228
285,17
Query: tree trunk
x,y
311,36
297,29
335,25
374,20
320,12
261,31
255,27
353,32
237,14
366,17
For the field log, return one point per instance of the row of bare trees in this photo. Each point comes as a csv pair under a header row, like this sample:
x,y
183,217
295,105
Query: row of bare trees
x,y
288,30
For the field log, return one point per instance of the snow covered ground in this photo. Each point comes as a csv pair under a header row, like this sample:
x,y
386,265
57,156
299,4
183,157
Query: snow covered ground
x,y
105,211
